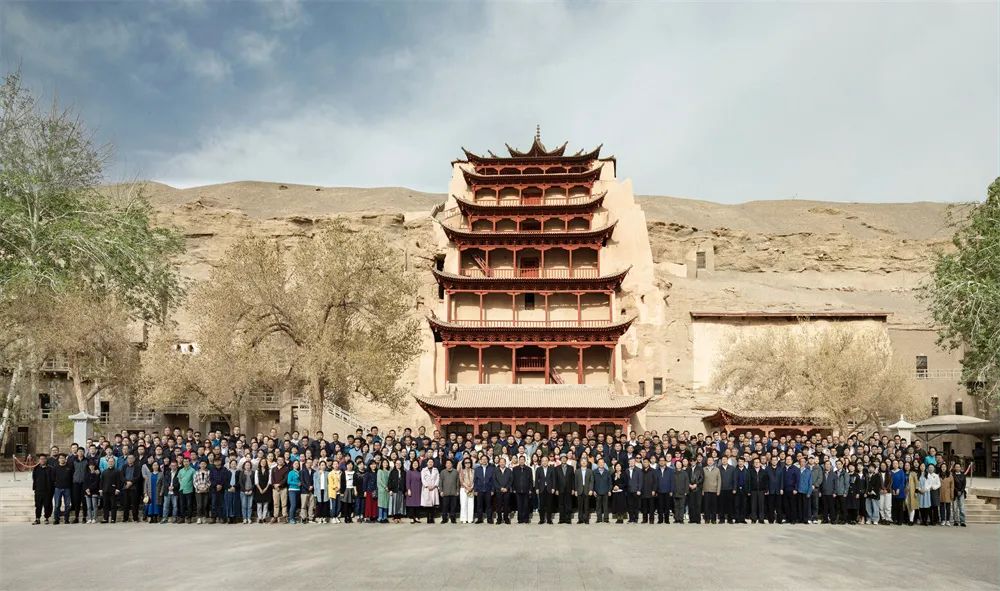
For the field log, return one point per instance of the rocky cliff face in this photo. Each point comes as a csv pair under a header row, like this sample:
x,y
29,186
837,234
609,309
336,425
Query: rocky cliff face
x,y
768,255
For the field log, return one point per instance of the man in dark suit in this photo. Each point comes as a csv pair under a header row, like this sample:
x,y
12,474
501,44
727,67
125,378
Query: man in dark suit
x,y
521,485
583,489
503,481
545,487
634,493
758,484
565,481
697,473
682,480
603,481
43,484
482,485
664,490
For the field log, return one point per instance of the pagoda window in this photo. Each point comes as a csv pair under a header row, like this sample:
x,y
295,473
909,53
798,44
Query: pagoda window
x,y
529,301
576,169
488,171
530,225
506,225
642,387
700,259
482,226
532,170
579,191
657,386
509,170
486,195
578,225
509,194
557,170
531,195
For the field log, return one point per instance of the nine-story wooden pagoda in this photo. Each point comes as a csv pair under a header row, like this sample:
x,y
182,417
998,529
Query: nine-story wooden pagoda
x,y
528,333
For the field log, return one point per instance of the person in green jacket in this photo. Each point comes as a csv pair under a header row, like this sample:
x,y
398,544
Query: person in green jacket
x,y
382,481
185,479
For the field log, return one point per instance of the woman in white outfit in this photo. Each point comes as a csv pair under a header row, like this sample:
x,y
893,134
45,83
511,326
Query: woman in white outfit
x,y
466,495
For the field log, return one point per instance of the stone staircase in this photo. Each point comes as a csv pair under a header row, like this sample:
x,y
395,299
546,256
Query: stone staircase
x,y
979,510
17,504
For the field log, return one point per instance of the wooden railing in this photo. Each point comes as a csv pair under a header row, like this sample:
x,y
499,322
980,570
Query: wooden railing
x,y
939,374
145,417
530,363
264,399
531,323
534,201
531,273
57,363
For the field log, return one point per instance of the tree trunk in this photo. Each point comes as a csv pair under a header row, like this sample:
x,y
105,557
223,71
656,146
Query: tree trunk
x,y
317,408
74,372
11,400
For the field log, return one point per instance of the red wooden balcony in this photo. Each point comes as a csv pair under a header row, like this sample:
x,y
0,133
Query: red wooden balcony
x,y
532,273
530,323
531,363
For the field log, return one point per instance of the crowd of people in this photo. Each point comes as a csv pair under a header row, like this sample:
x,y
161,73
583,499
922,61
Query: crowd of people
x,y
375,477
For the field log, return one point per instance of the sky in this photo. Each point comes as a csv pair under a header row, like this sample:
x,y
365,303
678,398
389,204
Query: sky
x,y
880,102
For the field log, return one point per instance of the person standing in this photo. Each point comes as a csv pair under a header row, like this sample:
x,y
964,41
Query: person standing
x,y
545,490
521,484
62,483
602,488
583,490
307,502
742,479
898,478
947,495
80,468
775,481
647,498
185,480
958,511
111,484
202,490
246,488
873,493
758,485
934,484
430,494
503,481
43,485
449,492
694,491
279,489
633,498
414,486
816,473
711,488
619,488
150,493
664,490
840,487
790,492
804,491
132,487
682,482
885,495
483,479
727,491
565,481
262,494
92,492
397,491
466,491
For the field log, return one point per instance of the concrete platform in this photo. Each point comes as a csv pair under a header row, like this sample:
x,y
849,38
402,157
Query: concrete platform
x,y
413,557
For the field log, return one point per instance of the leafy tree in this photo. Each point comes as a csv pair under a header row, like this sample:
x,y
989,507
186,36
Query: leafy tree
x,y
964,296
841,373
331,316
64,234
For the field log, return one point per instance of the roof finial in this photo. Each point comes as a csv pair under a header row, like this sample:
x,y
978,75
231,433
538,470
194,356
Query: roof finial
x,y
538,132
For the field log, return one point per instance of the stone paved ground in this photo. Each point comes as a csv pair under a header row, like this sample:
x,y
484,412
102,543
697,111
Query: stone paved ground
x,y
413,557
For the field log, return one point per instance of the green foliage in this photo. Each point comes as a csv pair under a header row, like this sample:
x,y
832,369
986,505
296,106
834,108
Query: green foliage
x,y
60,229
964,295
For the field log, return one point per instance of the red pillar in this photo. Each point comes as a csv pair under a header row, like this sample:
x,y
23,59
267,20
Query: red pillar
x,y
579,310
547,349
611,376
480,307
513,365
579,365
513,305
546,295
480,349
570,258
447,369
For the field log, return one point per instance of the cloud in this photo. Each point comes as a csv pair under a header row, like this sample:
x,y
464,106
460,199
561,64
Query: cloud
x,y
203,62
843,103
65,48
284,14
256,50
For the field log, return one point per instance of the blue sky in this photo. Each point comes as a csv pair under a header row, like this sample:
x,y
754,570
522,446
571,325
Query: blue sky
x,y
724,102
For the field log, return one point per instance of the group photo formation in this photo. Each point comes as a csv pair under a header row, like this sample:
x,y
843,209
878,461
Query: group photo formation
x,y
183,478
455,295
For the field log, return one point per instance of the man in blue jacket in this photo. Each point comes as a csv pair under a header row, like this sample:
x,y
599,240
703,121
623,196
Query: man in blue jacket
x,y
789,492
776,481
482,484
804,490
727,491
602,490
665,491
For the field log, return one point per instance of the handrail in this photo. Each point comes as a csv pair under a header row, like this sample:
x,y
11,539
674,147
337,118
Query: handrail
x,y
532,273
531,323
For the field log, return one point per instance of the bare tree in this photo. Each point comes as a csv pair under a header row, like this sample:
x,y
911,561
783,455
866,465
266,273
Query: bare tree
x,y
841,372
332,315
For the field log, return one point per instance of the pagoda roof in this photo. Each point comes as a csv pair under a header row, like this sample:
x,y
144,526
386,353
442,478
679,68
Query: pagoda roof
x,y
589,176
557,155
521,396
537,149
573,204
455,281
749,418
469,237
501,332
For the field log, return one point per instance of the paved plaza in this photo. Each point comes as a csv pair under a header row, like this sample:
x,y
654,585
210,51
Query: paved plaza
x,y
422,556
